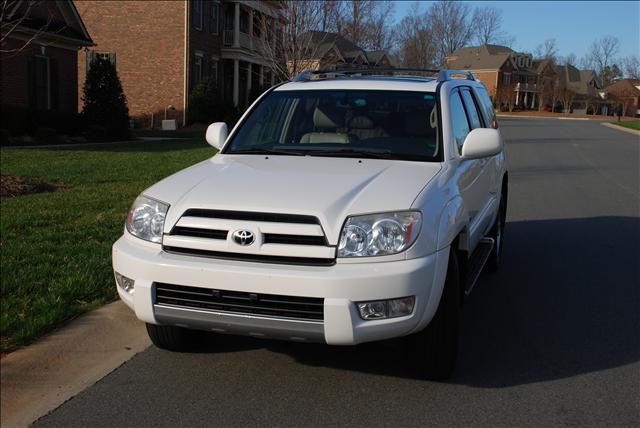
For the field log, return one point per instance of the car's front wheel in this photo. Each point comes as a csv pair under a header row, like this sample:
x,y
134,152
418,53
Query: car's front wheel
x,y
172,338
433,351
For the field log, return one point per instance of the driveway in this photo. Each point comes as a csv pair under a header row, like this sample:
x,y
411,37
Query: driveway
x,y
552,339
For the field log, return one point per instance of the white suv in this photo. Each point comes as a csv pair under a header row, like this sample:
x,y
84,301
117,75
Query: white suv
x,y
344,207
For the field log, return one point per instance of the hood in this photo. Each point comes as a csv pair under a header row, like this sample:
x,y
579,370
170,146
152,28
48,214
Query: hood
x,y
329,188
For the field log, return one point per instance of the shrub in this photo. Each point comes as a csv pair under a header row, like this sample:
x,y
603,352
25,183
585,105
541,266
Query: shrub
x,y
105,104
23,121
204,105
46,136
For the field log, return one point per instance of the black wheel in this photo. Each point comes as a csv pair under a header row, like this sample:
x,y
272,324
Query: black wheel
x,y
433,351
172,338
497,233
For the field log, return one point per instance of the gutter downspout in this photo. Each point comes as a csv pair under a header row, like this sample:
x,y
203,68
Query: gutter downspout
x,y
186,63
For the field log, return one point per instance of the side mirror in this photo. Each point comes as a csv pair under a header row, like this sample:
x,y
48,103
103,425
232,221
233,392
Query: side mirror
x,y
482,143
217,134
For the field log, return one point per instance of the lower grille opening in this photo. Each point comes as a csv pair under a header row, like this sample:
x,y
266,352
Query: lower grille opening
x,y
309,308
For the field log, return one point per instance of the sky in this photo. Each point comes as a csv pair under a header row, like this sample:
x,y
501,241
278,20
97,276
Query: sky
x,y
574,24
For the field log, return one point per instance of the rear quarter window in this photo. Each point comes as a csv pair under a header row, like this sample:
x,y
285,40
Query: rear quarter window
x,y
487,107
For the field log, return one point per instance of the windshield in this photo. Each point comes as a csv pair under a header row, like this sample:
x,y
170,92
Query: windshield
x,y
342,123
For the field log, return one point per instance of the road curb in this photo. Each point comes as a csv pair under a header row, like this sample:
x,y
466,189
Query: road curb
x,y
621,128
39,378
545,117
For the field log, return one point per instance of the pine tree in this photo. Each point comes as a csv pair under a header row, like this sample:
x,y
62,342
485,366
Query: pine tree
x,y
105,104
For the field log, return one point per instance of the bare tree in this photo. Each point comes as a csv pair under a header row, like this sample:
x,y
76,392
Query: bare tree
x,y
416,45
451,25
567,96
367,23
487,23
293,45
631,67
547,50
16,16
570,59
548,84
506,96
601,54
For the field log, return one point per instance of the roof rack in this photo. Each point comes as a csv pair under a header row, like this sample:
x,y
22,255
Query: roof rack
x,y
442,75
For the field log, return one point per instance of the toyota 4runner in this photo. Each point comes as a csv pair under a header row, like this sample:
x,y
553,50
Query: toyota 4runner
x,y
344,207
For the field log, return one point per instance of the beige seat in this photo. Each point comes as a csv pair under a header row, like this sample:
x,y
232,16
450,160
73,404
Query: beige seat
x,y
363,128
326,123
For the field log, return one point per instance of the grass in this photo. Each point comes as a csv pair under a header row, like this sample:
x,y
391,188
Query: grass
x,y
631,124
55,248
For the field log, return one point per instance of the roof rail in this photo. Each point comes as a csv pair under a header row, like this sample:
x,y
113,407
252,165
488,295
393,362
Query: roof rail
x,y
442,75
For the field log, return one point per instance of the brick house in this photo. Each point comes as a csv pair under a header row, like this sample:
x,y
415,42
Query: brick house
x,y
584,86
163,49
331,50
624,93
38,67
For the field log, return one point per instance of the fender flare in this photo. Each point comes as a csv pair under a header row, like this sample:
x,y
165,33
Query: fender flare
x,y
453,222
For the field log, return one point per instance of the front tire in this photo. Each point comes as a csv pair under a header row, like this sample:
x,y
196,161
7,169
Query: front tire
x,y
433,351
172,338
497,233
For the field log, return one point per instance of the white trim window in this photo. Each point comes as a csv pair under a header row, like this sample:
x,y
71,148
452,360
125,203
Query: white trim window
x,y
213,70
506,78
198,62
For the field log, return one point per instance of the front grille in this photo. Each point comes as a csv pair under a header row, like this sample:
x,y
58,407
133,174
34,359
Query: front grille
x,y
276,238
251,216
260,258
199,233
309,308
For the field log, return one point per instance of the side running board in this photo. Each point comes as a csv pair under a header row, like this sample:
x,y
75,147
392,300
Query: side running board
x,y
477,261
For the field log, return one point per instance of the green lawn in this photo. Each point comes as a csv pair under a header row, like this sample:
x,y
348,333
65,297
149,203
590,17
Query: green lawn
x,y
55,248
632,124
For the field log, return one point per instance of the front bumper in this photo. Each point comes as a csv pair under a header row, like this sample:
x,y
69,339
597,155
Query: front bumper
x,y
340,286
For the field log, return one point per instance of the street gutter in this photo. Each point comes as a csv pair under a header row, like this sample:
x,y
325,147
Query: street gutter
x,y
39,378
621,128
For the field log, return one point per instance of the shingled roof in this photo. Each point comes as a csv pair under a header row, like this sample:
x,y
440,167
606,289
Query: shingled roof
x,y
485,57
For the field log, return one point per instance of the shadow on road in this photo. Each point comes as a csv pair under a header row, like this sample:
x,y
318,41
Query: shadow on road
x,y
565,302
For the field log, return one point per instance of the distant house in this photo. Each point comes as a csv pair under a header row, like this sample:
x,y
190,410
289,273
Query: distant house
x,y
39,59
162,50
330,50
585,86
624,93
517,80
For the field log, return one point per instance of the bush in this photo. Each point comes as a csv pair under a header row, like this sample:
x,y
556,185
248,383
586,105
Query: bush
x,y
46,136
105,104
96,133
204,105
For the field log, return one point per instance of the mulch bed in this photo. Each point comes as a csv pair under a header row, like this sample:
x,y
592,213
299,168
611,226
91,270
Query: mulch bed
x,y
12,185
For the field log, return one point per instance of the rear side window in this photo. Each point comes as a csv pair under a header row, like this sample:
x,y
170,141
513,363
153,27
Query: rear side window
x,y
459,121
472,111
487,107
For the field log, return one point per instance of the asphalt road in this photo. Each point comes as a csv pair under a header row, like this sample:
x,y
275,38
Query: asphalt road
x,y
551,339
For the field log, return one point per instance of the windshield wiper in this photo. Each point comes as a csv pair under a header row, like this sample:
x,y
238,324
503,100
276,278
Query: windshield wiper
x,y
351,153
266,152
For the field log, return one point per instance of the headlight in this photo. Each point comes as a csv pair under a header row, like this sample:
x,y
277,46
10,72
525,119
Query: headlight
x,y
146,219
379,234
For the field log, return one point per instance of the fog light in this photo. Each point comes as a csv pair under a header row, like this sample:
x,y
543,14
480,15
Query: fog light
x,y
401,307
373,310
386,308
125,283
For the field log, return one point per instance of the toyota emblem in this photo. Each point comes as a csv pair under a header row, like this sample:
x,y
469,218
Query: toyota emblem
x,y
243,237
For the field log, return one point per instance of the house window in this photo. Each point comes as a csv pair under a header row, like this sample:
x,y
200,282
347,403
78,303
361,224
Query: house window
x,y
96,55
197,14
214,18
197,68
213,71
41,83
506,78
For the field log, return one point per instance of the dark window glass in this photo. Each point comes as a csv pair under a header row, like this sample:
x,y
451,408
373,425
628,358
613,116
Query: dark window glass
x,y
214,13
459,121
343,123
506,78
197,14
472,111
41,83
487,107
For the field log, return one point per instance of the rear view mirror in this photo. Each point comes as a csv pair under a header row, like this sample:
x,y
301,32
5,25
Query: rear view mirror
x,y
482,143
217,134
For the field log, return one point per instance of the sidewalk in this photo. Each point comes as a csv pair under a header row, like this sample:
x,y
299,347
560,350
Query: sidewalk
x,y
39,378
